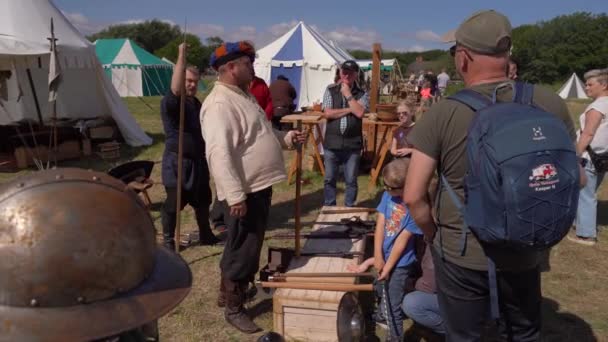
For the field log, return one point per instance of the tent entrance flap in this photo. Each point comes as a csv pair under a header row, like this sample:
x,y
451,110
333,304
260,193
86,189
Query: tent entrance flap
x,y
293,73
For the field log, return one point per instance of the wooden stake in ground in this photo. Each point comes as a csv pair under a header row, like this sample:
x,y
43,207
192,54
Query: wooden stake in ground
x,y
375,77
180,151
298,203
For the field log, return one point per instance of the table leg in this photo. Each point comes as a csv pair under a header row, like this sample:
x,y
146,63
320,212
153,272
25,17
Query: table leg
x,y
293,167
315,144
377,151
385,147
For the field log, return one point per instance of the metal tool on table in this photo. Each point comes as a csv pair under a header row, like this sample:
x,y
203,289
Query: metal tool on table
x,y
355,229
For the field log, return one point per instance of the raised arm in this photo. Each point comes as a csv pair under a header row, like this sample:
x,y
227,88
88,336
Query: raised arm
x,y
177,80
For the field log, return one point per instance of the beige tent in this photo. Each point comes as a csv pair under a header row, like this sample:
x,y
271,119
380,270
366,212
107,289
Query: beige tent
x,y
84,92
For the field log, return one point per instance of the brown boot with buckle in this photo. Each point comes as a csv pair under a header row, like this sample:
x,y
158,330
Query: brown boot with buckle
x,y
235,311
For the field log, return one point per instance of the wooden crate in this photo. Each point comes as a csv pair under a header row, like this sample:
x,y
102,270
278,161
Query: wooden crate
x,y
24,156
102,132
310,315
109,150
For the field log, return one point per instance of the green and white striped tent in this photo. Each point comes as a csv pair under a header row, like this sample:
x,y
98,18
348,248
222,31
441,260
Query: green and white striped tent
x,y
133,70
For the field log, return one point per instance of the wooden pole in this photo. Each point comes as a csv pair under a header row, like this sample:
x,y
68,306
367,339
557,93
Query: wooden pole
x,y
322,275
318,286
180,151
298,203
375,77
348,211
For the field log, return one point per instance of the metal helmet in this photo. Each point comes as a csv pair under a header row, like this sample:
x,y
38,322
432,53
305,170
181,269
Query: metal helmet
x,y
271,337
79,259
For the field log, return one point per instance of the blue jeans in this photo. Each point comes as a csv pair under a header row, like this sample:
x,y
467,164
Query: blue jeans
x,y
333,160
586,215
423,308
397,284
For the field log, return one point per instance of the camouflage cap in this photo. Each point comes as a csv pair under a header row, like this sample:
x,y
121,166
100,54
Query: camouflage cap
x,y
486,32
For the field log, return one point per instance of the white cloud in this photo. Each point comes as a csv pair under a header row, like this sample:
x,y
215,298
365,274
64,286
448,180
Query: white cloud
x,y
353,37
415,48
131,21
280,29
427,35
208,30
421,36
82,23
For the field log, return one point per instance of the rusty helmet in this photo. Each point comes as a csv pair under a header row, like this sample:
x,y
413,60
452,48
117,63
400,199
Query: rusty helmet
x,y
79,259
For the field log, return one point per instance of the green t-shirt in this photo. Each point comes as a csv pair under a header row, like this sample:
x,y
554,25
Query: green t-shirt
x,y
441,134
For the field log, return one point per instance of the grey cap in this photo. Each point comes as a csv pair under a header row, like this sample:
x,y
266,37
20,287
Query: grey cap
x,y
486,32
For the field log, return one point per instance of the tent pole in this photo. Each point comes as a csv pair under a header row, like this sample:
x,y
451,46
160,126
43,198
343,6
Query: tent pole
x,y
29,77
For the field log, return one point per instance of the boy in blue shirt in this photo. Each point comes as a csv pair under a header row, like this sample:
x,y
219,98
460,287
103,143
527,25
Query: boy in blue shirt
x,y
394,243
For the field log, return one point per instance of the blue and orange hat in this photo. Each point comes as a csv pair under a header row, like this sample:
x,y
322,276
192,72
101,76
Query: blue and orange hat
x,y
230,51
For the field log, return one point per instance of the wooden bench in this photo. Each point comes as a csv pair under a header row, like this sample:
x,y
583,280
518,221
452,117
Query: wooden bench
x,y
310,315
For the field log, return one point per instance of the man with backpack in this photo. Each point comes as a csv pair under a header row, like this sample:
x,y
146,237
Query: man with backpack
x,y
521,181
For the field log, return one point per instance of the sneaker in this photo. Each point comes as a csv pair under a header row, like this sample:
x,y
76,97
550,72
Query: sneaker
x,y
587,241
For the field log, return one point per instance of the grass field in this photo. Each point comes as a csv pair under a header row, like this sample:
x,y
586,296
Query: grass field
x,y
574,290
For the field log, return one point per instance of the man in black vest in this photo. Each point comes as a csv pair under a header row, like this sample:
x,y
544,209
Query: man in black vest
x,y
195,182
343,106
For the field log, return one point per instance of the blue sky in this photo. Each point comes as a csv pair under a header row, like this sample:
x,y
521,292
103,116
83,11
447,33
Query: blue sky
x,y
398,25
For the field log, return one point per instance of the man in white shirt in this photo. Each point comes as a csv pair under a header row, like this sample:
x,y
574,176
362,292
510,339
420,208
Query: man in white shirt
x,y
245,160
442,82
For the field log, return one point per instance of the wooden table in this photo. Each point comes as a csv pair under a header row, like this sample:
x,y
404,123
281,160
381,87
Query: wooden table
x,y
382,149
310,315
311,120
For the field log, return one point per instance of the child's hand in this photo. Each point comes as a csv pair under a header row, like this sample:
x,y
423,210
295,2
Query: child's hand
x,y
384,273
352,268
379,264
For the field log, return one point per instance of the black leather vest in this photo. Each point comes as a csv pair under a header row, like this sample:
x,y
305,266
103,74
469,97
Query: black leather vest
x,y
352,138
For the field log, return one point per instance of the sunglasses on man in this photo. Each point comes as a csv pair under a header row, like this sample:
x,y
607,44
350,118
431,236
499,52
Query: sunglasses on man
x,y
455,49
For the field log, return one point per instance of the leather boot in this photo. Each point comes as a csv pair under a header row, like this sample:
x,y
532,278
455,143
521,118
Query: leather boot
x,y
168,221
221,298
235,312
205,234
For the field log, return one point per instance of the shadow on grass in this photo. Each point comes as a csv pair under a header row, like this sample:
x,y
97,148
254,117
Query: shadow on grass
x,y
260,308
564,326
281,213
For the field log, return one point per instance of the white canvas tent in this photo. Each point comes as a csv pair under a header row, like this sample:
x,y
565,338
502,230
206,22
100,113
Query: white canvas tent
x,y
306,58
84,92
573,89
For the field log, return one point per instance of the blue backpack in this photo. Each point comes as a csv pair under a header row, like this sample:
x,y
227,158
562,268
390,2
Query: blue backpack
x,y
522,182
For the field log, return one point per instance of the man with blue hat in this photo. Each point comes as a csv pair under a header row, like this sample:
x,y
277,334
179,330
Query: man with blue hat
x,y
245,160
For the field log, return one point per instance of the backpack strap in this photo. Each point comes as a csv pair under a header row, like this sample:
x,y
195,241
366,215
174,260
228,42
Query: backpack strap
x,y
493,285
471,98
524,93
460,207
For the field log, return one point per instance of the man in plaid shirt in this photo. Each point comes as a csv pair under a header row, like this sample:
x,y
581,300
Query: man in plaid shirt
x,y
343,106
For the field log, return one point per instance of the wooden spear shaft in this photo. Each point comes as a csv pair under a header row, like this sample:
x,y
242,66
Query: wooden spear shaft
x,y
322,275
180,150
298,203
319,286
